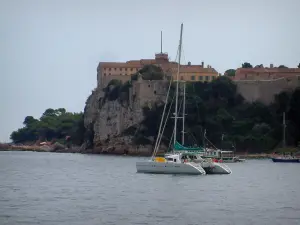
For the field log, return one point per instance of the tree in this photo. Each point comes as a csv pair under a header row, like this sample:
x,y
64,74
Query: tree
x,y
230,72
49,112
29,120
282,67
149,72
299,65
53,124
246,65
217,108
259,66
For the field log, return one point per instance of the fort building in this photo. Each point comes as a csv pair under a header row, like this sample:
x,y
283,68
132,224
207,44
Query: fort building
x,y
263,83
108,71
265,73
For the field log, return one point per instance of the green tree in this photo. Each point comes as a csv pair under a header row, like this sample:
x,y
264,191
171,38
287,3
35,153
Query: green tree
x,y
246,65
53,124
29,120
282,66
230,72
217,108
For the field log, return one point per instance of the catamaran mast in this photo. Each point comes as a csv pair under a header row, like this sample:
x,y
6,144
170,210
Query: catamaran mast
x,y
177,79
284,127
183,113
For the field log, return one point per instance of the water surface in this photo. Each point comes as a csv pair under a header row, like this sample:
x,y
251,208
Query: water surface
x,y
59,188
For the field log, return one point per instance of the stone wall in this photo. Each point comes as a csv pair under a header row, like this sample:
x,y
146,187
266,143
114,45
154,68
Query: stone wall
x,y
265,90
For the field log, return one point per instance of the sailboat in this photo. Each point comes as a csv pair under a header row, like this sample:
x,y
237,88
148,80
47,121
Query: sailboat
x,y
285,158
182,160
170,163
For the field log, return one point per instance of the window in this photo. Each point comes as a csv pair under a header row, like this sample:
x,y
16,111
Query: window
x,y
109,74
125,69
109,69
200,78
115,69
192,77
120,69
181,78
214,77
131,69
104,74
206,78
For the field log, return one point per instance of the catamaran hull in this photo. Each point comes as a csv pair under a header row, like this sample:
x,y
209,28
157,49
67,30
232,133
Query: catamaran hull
x,y
234,160
169,168
216,168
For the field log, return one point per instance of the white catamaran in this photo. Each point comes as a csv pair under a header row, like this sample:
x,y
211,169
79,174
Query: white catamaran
x,y
182,160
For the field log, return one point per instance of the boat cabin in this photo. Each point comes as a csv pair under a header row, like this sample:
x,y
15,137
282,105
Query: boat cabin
x,y
219,154
172,158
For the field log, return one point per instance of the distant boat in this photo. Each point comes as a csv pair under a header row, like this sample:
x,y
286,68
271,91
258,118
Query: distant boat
x,y
286,160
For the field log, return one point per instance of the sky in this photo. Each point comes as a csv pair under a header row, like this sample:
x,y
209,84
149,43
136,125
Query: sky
x,y
50,49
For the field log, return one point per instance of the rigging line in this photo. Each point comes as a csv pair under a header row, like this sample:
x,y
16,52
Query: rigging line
x,y
184,60
173,130
165,122
161,122
167,98
193,137
210,143
157,143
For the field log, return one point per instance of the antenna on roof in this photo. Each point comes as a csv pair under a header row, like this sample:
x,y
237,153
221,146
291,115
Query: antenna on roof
x,y
161,42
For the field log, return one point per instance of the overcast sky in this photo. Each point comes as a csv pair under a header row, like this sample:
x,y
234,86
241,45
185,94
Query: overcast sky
x,y
49,49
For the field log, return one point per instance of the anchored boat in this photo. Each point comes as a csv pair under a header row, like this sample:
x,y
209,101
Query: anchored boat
x,y
182,160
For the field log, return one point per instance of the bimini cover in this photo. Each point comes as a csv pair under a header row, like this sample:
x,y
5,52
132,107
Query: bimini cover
x,y
179,147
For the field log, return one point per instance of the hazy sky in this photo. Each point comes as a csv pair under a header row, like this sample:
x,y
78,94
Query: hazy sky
x,y
49,49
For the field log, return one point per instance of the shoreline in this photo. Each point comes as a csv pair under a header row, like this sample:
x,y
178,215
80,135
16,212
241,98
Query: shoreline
x,y
100,152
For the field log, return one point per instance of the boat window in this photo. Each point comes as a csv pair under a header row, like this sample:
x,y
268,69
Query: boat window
x,y
175,160
169,159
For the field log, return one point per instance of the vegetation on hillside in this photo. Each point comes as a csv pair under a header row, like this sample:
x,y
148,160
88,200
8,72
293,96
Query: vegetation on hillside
x,y
215,107
116,90
54,124
228,120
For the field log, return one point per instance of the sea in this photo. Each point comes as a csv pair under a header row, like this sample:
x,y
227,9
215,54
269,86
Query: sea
x,y
78,189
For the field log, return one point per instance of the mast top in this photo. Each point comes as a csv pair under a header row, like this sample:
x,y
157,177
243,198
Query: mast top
x,y
161,42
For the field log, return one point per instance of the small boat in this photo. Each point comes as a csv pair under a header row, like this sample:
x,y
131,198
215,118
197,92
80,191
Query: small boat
x,y
195,154
215,153
285,159
224,156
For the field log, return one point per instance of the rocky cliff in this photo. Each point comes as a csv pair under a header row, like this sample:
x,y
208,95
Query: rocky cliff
x,y
113,115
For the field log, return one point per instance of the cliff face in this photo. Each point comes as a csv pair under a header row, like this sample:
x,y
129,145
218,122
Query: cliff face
x,y
109,112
